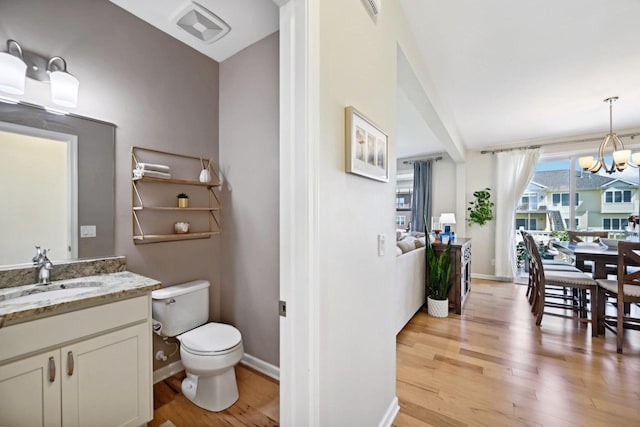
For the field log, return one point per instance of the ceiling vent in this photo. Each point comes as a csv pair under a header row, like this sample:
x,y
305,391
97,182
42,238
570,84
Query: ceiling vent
x,y
202,24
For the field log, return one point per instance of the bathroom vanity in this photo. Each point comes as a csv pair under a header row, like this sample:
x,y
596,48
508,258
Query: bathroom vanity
x,y
78,358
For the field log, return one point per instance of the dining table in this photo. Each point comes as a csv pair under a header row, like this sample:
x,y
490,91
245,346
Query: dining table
x,y
597,254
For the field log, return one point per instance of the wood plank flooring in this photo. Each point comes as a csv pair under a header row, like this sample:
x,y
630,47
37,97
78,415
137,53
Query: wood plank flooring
x,y
491,366
258,404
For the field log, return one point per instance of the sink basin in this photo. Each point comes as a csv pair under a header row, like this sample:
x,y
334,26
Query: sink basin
x,y
44,293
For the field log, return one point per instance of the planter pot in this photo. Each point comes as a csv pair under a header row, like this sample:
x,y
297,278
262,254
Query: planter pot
x,y
183,202
438,308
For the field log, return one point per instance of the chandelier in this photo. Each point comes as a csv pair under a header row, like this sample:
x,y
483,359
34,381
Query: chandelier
x,y
620,154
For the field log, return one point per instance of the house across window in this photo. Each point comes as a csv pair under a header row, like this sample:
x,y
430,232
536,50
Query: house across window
x,y
529,201
576,224
527,224
400,220
562,199
614,223
617,196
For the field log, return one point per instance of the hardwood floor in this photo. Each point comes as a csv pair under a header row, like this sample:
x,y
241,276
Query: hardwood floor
x,y
258,404
491,366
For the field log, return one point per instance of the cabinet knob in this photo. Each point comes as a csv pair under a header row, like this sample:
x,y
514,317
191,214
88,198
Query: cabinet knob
x,y
52,369
70,363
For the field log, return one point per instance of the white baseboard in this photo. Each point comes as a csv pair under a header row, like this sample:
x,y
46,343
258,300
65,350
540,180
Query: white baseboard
x,y
390,414
261,366
253,362
167,371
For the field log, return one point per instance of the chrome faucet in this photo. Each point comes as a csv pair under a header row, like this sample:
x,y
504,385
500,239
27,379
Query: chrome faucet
x,y
41,262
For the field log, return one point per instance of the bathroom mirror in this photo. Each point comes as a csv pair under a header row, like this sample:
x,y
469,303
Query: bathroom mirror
x,y
56,185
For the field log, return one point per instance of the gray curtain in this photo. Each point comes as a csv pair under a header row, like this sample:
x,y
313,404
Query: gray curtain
x,y
421,199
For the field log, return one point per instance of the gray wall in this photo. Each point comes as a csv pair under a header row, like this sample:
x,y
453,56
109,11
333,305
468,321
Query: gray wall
x,y
249,162
159,92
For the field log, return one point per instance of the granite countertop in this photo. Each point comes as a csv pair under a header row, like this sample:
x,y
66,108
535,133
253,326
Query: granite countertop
x,y
99,289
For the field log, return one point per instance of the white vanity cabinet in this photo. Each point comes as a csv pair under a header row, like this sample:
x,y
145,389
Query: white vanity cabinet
x,y
90,367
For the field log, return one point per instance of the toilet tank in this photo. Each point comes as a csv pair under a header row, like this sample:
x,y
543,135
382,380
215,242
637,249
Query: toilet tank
x,y
182,307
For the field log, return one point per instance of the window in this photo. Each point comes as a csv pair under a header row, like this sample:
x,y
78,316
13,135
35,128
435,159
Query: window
x,y
400,220
527,224
576,224
617,196
529,201
562,199
614,223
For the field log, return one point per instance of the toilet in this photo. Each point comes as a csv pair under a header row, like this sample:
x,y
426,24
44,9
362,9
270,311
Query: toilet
x,y
209,350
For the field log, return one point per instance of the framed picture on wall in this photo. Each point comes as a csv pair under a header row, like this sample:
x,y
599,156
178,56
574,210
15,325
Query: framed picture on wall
x,y
367,147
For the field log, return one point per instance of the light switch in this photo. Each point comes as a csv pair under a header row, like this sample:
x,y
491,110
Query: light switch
x,y
87,231
381,242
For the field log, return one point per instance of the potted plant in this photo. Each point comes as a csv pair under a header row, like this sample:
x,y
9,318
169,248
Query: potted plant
x,y
523,256
439,273
183,200
481,209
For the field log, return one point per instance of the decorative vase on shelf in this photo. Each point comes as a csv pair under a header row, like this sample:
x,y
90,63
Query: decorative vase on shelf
x,y
205,175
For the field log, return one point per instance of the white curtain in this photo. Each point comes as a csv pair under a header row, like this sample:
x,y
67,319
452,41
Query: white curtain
x,y
514,170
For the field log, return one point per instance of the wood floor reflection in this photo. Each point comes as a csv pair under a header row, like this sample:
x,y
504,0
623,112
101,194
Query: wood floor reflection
x,y
258,404
492,366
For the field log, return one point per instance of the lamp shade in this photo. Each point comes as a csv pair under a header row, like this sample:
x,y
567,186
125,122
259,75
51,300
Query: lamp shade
x,y
64,89
585,162
12,74
447,218
621,158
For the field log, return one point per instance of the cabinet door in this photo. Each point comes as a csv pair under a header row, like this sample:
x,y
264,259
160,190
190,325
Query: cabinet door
x,y
106,380
30,391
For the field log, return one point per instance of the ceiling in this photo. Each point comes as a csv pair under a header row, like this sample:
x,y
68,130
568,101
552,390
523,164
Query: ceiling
x,y
506,72
514,71
250,21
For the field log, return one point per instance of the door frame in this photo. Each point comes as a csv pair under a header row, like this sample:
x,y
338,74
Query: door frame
x,y
299,216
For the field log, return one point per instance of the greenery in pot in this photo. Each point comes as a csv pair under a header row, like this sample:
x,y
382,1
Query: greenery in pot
x,y
439,271
183,196
523,255
562,236
481,209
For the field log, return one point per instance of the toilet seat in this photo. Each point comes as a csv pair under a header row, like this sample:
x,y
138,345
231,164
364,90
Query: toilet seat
x,y
211,339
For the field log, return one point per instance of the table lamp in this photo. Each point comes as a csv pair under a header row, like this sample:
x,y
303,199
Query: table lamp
x,y
447,219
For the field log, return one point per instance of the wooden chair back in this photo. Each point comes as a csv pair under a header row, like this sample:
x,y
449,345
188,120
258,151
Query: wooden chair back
x,y
628,256
587,236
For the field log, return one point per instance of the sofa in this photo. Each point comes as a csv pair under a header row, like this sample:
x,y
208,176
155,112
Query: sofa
x,y
409,286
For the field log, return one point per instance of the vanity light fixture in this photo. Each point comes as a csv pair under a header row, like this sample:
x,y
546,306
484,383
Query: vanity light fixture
x,y
16,65
621,156
12,69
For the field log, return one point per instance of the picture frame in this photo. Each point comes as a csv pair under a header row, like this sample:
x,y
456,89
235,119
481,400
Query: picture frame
x,y
366,147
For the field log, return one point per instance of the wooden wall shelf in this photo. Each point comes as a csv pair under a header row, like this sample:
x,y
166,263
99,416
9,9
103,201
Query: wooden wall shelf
x,y
138,206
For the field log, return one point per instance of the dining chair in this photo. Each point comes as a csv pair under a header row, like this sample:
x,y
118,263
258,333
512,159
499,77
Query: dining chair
x,y
573,286
549,265
625,290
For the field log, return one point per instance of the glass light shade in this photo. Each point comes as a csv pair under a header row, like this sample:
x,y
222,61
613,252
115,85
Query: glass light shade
x,y
12,74
586,162
621,157
64,89
447,218
635,158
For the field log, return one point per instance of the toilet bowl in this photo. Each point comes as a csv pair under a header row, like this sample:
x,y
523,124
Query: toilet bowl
x,y
209,354
209,351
